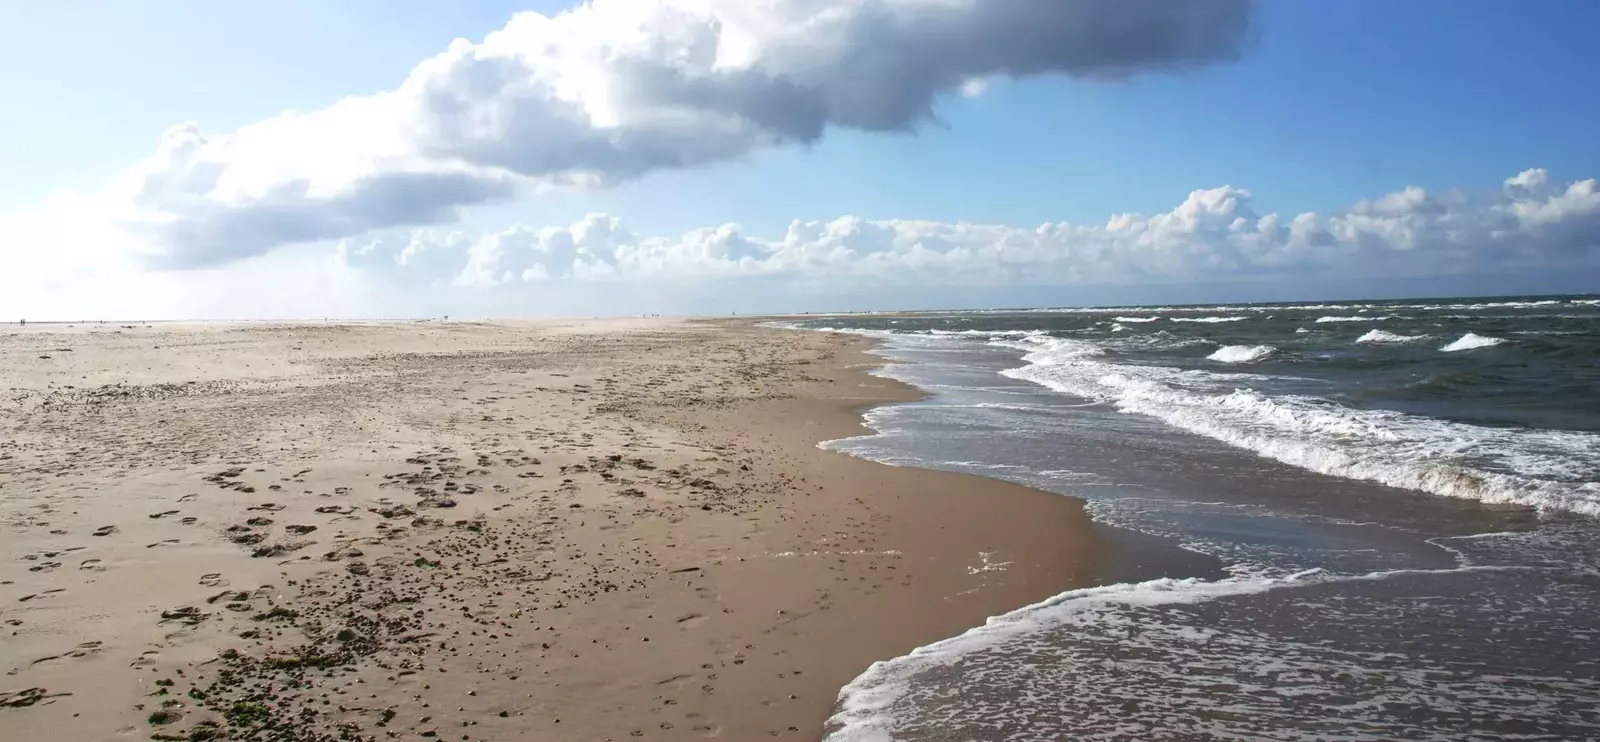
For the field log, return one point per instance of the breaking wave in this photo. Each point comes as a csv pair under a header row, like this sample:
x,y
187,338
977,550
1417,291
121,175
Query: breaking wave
x,y
1381,337
1209,320
1242,353
1545,469
1472,341
1355,319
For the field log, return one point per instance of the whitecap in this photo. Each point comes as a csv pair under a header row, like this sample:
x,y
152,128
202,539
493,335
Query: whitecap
x,y
1242,353
1545,469
1472,341
1208,320
1380,337
984,333
1355,319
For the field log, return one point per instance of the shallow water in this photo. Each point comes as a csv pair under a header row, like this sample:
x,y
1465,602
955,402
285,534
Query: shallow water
x,y
1401,493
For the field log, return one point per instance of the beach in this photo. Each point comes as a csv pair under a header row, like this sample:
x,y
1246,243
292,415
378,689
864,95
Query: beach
x,y
576,530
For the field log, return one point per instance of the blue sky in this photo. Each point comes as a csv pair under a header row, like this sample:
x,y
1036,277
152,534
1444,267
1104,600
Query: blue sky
x,y
1326,105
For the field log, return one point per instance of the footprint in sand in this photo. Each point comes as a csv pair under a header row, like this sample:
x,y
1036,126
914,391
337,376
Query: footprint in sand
x,y
45,567
676,681
258,521
213,579
28,697
92,565
82,650
702,725
105,530
299,530
167,542
189,520
27,598
163,514
189,498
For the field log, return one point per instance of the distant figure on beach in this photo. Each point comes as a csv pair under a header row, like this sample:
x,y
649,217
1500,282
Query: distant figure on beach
x,y
22,322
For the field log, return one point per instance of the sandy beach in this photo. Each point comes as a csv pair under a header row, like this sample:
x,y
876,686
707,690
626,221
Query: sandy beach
x,y
584,530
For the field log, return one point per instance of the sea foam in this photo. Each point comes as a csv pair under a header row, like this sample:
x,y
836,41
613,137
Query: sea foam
x,y
1242,353
1545,469
1354,319
1134,638
1381,337
866,708
1472,341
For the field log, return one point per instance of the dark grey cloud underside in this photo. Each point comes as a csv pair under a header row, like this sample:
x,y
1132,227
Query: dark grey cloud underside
x,y
289,215
890,69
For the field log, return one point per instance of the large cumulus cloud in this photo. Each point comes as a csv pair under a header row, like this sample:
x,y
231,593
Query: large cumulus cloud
x,y
1529,223
615,89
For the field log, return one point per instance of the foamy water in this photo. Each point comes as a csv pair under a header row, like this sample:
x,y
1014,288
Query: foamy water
x,y
1472,341
1381,336
1404,528
1241,353
1540,468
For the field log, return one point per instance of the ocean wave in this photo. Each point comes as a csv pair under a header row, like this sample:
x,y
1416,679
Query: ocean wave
x,y
1356,319
1136,320
991,406
1380,337
1472,341
867,706
1545,469
1149,341
1242,353
1057,350
984,333
1209,320
856,331
1427,307
891,695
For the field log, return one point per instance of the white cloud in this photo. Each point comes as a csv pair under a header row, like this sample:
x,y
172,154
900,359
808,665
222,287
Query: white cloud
x,y
1538,236
1213,234
614,89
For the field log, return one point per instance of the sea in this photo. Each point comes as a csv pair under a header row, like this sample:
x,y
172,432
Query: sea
x,y
1391,509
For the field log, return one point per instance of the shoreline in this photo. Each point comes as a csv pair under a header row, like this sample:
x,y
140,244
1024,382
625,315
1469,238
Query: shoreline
x,y
625,528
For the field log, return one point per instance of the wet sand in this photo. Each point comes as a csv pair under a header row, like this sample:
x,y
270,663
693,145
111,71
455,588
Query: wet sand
x,y
594,530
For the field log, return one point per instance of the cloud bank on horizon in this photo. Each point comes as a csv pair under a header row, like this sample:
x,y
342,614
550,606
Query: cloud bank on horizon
x,y
1529,223
615,90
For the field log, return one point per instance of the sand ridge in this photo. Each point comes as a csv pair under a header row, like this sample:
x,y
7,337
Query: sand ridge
x,y
496,530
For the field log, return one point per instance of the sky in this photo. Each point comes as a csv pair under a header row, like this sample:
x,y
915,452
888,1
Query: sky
x,y
379,158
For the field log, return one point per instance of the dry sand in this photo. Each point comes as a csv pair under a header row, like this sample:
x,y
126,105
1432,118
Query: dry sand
x,y
597,530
